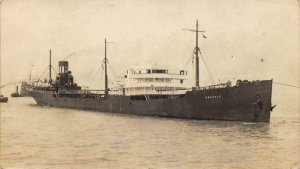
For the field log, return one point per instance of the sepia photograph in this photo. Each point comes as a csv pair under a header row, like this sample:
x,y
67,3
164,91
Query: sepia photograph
x,y
149,84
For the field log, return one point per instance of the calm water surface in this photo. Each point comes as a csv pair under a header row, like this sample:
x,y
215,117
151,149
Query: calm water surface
x,y
43,137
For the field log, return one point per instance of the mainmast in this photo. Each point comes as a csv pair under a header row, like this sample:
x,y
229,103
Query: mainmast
x,y
197,51
106,81
30,75
50,80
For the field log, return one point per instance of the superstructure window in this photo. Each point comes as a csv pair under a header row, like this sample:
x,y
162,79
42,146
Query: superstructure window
x,y
183,72
159,71
181,81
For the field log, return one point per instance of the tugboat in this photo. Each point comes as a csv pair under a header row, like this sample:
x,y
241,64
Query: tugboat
x,y
24,90
16,93
153,91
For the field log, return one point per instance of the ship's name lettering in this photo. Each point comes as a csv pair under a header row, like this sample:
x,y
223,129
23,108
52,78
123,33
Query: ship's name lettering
x,y
213,97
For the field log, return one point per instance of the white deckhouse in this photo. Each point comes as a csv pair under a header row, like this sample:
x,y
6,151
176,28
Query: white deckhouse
x,y
152,80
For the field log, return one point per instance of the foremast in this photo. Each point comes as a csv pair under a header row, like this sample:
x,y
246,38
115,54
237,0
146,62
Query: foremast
x,y
197,49
105,69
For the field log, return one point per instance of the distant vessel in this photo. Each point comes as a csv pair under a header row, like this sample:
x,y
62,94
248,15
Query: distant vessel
x,y
153,91
24,90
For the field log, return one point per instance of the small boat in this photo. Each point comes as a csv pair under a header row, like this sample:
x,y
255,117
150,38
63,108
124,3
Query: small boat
x,y
3,99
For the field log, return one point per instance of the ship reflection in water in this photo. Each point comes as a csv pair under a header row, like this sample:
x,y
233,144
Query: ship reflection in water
x,y
38,137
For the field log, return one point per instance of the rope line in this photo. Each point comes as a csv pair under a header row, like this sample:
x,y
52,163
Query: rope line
x,y
188,61
209,73
41,75
286,84
115,76
7,84
53,69
95,75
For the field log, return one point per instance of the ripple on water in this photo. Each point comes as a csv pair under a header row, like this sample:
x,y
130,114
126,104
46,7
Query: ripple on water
x,y
43,137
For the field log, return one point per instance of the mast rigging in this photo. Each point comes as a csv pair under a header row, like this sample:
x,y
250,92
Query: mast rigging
x,y
50,80
197,51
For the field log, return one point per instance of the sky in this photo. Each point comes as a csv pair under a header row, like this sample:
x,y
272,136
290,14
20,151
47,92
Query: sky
x,y
249,39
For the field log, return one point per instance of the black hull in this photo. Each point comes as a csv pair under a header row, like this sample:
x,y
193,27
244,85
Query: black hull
x,y
250,102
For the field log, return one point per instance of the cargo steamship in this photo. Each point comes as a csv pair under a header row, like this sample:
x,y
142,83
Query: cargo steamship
x,y
154,91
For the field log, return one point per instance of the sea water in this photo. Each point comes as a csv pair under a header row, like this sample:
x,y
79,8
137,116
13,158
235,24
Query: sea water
x,y
34,136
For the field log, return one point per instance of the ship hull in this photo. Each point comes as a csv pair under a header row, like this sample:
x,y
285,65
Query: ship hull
x,y
250,102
